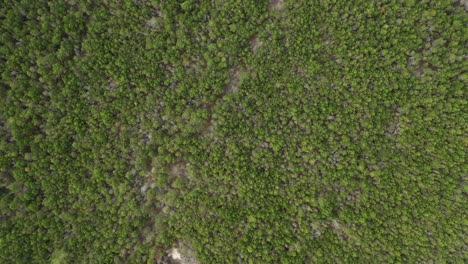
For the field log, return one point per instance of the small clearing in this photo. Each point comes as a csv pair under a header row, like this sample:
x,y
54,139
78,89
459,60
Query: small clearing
x,y
255,42
234,81
276,5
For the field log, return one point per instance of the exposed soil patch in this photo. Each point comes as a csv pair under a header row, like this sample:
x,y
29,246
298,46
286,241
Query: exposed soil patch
x,y
193,64
208,129
276,5
181,254
178,169
464,3
152,22
341,230
113,86
299,71
234,83
394,128
255,42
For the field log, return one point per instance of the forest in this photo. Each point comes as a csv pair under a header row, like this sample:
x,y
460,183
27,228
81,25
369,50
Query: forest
x,y
238,131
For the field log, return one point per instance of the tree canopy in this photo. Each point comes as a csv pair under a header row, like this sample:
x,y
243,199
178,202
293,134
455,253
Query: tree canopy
x,y
254,131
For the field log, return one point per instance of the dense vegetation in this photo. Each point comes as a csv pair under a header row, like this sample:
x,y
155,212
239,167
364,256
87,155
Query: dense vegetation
x,y
254,131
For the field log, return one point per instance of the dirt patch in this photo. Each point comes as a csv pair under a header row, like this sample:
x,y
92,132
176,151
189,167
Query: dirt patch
x,y
178,169
395,127
299,71
208,129
464,3
152,22
180,254
341,230
113,86
155,21
255,43
234,81
276,5
354,196
193,64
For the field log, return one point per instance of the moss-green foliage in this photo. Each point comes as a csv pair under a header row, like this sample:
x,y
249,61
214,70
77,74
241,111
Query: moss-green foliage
x,y
257,132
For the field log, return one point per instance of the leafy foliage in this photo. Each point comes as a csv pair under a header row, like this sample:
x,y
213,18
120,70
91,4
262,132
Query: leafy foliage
x,y
257,132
